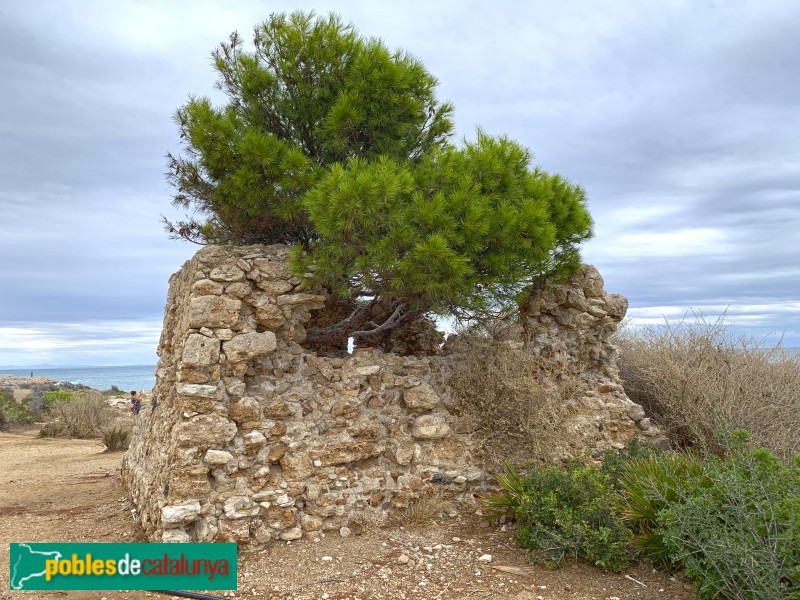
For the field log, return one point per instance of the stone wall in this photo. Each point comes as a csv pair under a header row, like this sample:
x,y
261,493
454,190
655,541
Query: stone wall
x,y
254,438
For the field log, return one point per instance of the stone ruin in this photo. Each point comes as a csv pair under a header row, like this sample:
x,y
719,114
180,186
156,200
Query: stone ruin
x,y
256,438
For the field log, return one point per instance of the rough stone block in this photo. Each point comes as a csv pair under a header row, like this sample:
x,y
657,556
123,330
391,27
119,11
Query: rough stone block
x,y
182,513
296,466
277,409
177,536
214,311
233,530
244,409
344,451
200,351
280,518
369,427
247,346
217,458
421,398
430,427
272,269
254,439
227,273
311,301
206,287
205,430
196,390
239,507
268,314
295,533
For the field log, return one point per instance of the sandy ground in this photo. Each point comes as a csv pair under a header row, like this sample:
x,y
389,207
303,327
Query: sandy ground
x,y
68,490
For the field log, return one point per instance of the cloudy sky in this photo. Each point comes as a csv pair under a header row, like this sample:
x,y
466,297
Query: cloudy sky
x,y
679,118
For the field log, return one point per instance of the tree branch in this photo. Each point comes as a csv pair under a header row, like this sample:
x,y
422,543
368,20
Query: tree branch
x,y
392,321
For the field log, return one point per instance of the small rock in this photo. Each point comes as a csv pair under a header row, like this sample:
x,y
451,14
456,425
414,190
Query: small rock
x,y
327,558
294,533
345,532
485,557
402,559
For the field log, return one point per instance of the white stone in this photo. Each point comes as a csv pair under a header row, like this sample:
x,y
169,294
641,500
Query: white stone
x,y
236,388
217,458
295,533
368,370
430,427
197,390
485,558
345,532
176,536
239,507
254,438
181,513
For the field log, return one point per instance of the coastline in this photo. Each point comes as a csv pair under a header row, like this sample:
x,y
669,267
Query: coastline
x,y
17,381
122,377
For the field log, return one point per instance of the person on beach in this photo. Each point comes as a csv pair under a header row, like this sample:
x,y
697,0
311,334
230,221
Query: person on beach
x,y
137,404
133,399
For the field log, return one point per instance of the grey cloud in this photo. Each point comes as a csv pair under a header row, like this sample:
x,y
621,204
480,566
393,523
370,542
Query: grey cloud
x,y
674,117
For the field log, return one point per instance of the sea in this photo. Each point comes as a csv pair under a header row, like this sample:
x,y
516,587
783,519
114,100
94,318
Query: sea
x,y
126,378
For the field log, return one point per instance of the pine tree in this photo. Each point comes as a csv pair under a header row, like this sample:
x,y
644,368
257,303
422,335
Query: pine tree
x,y
334,144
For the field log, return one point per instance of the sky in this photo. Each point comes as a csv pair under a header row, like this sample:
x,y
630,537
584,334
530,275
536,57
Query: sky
x,y
678,118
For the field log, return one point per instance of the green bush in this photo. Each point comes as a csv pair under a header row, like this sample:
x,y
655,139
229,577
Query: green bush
x,y
565,512
649,485
12,413
52,397
733,522
84,415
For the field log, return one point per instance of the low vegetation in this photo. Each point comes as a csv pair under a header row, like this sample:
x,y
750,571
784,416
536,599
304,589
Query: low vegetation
x,y
12,413
694,376
84,415
511,394
565,512
115,438
424,511
727,514
65,411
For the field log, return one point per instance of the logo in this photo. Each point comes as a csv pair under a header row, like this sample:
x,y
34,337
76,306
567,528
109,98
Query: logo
x,y
122,566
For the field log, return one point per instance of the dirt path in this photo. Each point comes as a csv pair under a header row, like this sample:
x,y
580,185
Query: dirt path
x,y
69,490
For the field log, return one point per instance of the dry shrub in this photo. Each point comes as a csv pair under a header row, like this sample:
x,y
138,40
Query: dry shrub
x,y
85,415
424,511
515,398
366,520
52,429
694,376
115,438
